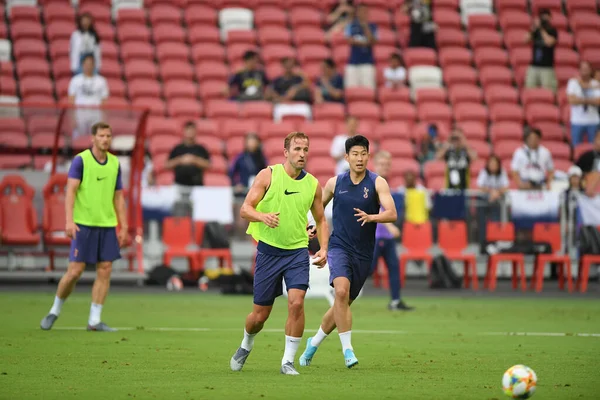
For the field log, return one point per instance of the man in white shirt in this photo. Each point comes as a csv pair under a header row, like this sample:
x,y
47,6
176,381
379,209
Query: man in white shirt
x,y
338,146
583,93
532,166
87,90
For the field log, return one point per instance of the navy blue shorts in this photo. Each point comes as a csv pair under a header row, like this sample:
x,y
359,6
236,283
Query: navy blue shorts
x,y
94,244
342,263
270,270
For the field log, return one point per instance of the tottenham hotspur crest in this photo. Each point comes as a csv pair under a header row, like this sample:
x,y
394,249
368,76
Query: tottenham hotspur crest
x,y
366,194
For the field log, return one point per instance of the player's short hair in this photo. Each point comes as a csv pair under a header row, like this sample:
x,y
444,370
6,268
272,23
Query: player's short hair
x,y
383,154
329,62
249,55
100,126
358,140
291,136
86,57
189,124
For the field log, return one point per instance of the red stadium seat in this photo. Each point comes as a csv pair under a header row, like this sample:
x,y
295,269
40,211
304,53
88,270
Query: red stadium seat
x,y
168,33
505,148
139,69
490,56
559,150
27,67
172,52
474,130
515,20
133,33
434,168
328,111
35,86
435,113
359,94
105,30
453,240
200,14
417,240
485,38
137,51
54,219
308,35
476,112
163,13
399,111
515,39
446,18
19,218
301,16
232,128
210,70
204,34
274,35
365,111
496,231
156,106
553,5
100,12
54,12
428,95
184,108
479,21
536,113
134,15
552,234
269,16
30,48
401,94
257,111
482,148
386,36
454,56
419,56
451,37
503,112
462,93
277,53
501,94
24,13
506,130
176,70
241,36
163,127
312,53
223,109
536,95
586,6
460,75
567,58
495,75
26,30
177,237
398,148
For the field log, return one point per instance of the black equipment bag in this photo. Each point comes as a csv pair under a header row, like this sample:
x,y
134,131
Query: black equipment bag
x,y
241,283
589,240
160,275
442,274
216,236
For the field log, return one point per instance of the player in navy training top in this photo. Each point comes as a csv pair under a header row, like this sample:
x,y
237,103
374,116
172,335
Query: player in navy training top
x,y
357,197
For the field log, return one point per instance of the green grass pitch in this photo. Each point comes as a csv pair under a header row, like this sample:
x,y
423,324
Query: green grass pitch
x,y
446,349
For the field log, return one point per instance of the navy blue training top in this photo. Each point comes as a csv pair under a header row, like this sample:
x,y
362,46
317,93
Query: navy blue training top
x,y
347,233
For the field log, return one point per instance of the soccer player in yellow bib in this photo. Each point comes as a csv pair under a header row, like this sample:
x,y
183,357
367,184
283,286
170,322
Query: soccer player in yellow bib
x,y
94,202
277,208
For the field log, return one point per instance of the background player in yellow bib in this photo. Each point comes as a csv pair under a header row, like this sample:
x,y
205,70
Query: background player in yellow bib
x,y
277,207
94,201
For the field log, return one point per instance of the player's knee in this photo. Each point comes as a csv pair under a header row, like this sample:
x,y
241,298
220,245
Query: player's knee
x,y
261,314
296,306
342,293
74,272
103,270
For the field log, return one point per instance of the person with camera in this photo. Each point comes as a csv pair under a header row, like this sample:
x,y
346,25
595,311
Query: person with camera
x,y
583,94
532,166
543,37
458,157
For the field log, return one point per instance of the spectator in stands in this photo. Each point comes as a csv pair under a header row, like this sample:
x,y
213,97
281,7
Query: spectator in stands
x,y
292,86
362,35
249,83
417,202
422,27
532,166
189,159
589,162
583,93
338,145
458,157
84,42
340,15
429,144
247,165
493,182
330,86
87,89
395,73
543,37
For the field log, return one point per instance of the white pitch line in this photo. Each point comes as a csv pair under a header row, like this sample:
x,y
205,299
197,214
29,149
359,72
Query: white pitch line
x,y
365,331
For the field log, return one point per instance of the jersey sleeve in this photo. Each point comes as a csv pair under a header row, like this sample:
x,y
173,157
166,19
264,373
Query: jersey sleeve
x,y
119,184
76,168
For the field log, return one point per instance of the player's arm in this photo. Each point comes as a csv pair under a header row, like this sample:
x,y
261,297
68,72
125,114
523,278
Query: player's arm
x,y
255,195
386,200
72,186
318,211
119,203
73,181
328,191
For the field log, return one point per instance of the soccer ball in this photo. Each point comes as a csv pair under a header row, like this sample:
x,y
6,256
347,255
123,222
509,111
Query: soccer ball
x,y
519,382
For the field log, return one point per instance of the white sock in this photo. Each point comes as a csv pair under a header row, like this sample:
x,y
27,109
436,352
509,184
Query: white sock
x,y
318,338
395,302
291,347
95,313
248,341
57,306
346,339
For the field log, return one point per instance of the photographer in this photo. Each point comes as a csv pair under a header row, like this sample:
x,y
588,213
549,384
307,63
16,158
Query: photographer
x,y
544,38
422,27
458,157
532,166
583,94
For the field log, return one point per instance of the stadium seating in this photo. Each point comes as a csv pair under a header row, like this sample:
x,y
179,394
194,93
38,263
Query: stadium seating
x,y
54,219
453,241
496,231
19,218
417,239
550,233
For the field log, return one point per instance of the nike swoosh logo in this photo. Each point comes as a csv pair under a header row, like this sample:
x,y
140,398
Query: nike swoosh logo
x,y
288,193
343,191
98,178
